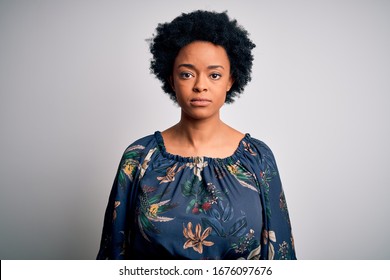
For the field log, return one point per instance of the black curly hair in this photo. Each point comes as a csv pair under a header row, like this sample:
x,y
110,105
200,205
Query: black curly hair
x,y
207,26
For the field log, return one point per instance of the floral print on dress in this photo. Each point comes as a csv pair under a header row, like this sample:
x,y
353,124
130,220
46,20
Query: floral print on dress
x,y
244,177
151,210
236,204
196,240
246,242
197,166
253,255
266,177
170,175
269,237
201,195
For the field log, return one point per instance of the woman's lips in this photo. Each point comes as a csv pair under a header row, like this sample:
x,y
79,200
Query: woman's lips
x,y
200,102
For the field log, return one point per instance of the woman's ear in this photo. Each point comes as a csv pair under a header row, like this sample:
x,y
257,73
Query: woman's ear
x,y
230,83
171,83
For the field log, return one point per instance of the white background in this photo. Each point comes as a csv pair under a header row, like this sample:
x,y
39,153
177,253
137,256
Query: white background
x,y
75,91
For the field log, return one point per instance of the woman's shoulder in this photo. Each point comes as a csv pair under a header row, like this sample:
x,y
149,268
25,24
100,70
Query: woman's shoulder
x,y
260,148
258,144
144,143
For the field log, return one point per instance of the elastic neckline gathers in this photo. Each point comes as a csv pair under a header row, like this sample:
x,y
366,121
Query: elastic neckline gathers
x,y
229,160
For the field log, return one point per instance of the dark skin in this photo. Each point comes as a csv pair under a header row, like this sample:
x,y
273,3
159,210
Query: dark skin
x,y
201,78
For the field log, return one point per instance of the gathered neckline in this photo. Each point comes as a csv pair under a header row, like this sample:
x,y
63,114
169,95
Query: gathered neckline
x,y
230,159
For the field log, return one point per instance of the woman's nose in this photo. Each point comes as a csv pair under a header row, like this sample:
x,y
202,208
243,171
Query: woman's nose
x,y
200,84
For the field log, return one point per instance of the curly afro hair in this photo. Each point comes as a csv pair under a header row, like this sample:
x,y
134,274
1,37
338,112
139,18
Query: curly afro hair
x,y
207,26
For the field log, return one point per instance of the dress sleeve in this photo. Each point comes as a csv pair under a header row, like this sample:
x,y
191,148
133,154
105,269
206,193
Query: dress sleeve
x,y
277,239
119,216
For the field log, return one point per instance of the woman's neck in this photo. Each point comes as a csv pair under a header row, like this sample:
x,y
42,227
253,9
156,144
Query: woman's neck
x,y
210,137
198,133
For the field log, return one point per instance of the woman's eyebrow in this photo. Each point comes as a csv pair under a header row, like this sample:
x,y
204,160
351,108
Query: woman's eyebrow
x,y
215,66
193,66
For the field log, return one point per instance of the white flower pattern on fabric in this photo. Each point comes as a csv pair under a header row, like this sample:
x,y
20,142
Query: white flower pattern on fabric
x,y
198,165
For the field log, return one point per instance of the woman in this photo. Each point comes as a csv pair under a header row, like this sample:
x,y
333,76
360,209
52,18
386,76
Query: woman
x,y
200,189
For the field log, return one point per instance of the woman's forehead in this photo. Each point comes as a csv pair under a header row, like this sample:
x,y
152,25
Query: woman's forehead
x,y
202,52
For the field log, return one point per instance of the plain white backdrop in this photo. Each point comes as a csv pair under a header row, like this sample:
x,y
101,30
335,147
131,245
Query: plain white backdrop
x,y
75,91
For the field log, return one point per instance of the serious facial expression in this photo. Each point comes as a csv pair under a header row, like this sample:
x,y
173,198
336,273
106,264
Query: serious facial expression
x,y
201,78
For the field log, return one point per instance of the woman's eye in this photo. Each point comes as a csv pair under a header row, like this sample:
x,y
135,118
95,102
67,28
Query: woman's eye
x,y
185,75
215,76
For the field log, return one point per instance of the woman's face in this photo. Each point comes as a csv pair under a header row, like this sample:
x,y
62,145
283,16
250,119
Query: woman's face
x,y
201,78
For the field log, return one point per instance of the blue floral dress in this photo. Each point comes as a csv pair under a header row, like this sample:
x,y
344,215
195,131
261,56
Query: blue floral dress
x,y
164,206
